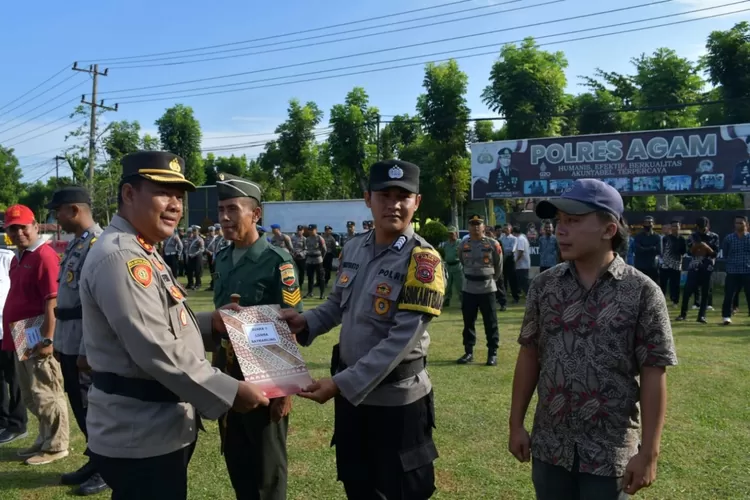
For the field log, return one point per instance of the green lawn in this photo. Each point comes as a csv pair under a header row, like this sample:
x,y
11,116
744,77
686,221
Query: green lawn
x,y
705,450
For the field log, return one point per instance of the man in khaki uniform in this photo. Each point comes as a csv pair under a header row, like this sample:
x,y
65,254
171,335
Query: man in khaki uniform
x,y
151,380
482,260
72,206
455,273
389,287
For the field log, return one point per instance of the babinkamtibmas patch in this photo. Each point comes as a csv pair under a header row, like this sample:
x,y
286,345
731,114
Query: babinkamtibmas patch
x,y
424,288
141,271
287,274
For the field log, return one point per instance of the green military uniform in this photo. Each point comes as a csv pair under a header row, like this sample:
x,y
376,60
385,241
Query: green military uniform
x,y
254,447
454,269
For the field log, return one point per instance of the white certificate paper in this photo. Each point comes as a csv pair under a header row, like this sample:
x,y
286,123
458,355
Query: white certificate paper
x,y
266,350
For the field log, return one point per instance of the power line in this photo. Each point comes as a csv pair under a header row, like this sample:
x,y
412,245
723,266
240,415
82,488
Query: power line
x,y
37,96
259,134
380,33
463,57
66,115
45,133
254,144
391,49
300,32
358,30
48,151
33,89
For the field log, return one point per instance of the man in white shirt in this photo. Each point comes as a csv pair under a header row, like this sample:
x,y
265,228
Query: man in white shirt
x,y
522,256
13,416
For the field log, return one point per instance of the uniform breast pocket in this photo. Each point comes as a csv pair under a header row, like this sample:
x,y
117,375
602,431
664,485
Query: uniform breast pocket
x,y
256,294
344,285
70,277
384,295
179,318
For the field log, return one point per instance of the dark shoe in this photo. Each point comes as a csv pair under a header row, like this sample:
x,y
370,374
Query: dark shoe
x,y
680,318
94,485
465,359
9,436
80,476
702,320
209,289
322,297
503,309
308,295
491,359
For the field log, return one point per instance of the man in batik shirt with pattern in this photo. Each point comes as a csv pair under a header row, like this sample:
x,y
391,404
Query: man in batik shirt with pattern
x,y
592,326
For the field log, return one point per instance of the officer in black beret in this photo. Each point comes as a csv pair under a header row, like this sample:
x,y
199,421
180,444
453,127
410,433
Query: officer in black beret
x,y
72,207
350,232
146,347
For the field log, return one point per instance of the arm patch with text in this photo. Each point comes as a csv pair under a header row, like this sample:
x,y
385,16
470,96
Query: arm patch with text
x,y
424,288
290,292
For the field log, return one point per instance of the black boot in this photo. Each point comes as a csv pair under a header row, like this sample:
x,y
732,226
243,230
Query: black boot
x,y
94,485
80,476
491,358
465,359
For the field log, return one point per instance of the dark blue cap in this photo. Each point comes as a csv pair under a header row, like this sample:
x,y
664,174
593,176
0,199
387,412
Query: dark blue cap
x,y
275,226
583,197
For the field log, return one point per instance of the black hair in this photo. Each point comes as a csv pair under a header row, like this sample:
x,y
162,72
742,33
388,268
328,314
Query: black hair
x,y
621,236
516,229
702,222
740,216
134,181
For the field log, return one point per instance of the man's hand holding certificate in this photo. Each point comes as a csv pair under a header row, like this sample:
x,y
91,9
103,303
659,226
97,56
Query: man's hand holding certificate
x,y
266,350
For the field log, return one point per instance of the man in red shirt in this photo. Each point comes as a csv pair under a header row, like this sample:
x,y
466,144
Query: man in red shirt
x,y
33,292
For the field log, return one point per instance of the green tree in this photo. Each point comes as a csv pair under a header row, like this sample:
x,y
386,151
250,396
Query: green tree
x,y
150,143
212,165
180,133
353,124
483,131
527,87
592,115
728,64
10,177
444,113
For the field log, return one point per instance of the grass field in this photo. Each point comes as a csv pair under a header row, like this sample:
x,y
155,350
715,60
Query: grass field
x,y
705,450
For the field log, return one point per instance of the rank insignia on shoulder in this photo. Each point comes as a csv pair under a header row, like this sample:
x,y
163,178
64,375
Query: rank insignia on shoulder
x,y
141,271
91,243
69,277
158,264
382,306
400,242
176,293
291,298
287,274
143,243
85,235
424,288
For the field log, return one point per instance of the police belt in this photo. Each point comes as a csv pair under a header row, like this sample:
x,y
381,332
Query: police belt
x,y
402,371
143,389
69,313
478,278
452,263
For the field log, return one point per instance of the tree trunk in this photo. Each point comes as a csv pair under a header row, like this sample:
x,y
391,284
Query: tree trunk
x,y
454,205
662,202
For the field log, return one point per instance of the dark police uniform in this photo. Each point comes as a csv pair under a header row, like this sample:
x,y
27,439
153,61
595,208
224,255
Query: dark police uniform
x,y
172,251
69,329
384,298
330,254
501,181
350,225
254,446
299,253
315,249
151,379
482,262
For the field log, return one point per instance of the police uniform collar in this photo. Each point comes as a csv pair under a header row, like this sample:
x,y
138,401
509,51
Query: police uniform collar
x,y
119,222
398,244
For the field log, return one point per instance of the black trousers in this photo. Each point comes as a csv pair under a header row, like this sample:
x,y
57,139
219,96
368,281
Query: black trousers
x,y
733,284
154,478
696,280
194,271
255,453
315,271
500,296
211,269
472,304
301,270
669,280
13,415
76,385
522,279
181,265
385,452
509,277
552,482
651,272
173,262
328,266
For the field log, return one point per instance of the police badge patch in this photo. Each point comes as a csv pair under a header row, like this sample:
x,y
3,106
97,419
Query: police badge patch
x,y
287,274
69,277
141,272
382,306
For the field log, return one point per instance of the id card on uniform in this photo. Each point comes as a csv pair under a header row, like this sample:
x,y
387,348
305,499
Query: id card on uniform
x,y
26,334
266,350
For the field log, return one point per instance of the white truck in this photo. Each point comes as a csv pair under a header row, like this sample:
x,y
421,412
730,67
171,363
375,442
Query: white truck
x,y
334,213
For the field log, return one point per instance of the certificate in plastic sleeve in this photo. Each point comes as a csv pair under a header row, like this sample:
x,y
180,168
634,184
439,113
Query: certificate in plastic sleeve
x,y
266,350
26,334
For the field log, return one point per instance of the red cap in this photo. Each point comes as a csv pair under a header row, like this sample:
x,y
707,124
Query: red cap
x,y
18,214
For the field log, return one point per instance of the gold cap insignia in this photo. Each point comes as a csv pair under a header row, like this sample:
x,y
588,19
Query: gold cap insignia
x,y
221,177
174,165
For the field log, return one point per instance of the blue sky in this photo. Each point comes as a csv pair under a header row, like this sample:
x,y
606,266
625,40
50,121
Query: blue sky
x,y
40,38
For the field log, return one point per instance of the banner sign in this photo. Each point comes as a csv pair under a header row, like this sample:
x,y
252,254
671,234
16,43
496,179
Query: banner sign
x,y
707,160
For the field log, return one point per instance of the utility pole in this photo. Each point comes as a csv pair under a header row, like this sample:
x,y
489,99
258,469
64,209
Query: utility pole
x,y
93,70
57,169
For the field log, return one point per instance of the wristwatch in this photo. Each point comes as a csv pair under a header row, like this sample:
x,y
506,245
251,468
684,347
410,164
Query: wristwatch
x,y
46,342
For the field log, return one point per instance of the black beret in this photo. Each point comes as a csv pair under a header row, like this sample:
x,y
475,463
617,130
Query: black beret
x,y
300,227
394,173
350,223
69,195
230,186
161,167
312,226
328,227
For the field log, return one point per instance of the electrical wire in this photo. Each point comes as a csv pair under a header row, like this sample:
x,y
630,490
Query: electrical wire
x,y
673,23
45,133
259,134
391,49
380,33
359,30
33,89
300,32
38,96
39,106
254,144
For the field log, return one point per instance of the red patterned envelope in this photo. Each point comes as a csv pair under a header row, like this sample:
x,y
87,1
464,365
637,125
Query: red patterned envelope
x,y
266,350
26,334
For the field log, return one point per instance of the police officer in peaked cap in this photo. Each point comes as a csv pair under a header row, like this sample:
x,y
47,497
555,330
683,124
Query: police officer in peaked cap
x,y
151,379
389,287
254,444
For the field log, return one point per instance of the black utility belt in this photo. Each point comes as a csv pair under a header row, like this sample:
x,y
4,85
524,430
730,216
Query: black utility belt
x,y
478,278
452,263
402,371
143,389
69,313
